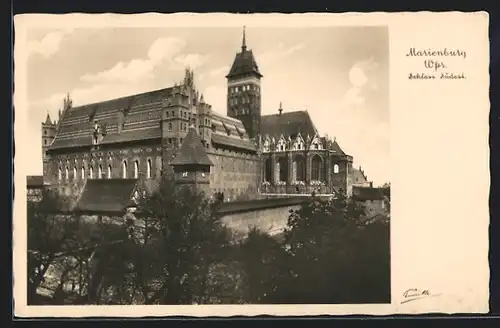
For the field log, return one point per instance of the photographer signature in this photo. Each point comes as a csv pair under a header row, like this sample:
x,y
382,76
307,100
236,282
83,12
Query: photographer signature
x,y
414,294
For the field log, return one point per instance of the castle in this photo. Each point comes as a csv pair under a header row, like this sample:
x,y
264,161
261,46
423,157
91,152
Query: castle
x,y
243,155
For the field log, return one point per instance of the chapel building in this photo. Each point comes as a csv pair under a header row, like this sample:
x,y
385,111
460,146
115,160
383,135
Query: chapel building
x,y
174,131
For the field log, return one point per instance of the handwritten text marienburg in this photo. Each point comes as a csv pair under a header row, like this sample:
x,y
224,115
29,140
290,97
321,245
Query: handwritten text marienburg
x,y
435,64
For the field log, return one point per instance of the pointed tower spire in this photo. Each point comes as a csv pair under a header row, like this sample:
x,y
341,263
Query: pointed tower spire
x,y
280,110
244,43
48,120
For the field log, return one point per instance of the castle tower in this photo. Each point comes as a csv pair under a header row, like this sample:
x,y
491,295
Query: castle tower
x,y
48,135
205,124
191,164
243,90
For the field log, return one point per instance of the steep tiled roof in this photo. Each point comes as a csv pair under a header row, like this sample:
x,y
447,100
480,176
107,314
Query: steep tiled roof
x,y
192,151
237,137
106,195
141,121
367,193
358,176
243,63
34,181
233,142
288,124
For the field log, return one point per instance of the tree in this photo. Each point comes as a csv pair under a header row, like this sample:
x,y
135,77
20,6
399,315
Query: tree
x,y
182,239
335,254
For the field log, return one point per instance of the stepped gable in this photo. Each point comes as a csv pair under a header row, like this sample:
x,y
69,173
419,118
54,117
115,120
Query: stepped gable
x,y
288,124
230,132
192,151
107,195
142,113
358,176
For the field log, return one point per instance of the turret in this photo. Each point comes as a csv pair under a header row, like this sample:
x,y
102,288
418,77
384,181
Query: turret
x,y
48,136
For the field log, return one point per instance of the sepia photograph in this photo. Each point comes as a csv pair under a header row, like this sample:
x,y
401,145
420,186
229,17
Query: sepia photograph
x,y
209,166
249,164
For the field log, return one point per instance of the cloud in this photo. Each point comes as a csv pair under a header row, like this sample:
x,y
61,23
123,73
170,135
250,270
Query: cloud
x,y
164,51
49,44
191,60
219,71
279,52
360,76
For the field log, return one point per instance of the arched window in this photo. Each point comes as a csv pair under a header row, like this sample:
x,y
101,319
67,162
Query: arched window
x,y
136,169
317,168
299,166
336,168
149,169
268,170
91,172
67,173
59,174
283,169
75,174
124,170
99,172
109,171
83,172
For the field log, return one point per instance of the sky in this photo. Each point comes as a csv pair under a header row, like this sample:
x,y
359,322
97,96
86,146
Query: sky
x,y
340,75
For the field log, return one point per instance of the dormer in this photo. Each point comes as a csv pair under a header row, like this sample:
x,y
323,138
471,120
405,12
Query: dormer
x,y
281,145
267,144
316,143
299,143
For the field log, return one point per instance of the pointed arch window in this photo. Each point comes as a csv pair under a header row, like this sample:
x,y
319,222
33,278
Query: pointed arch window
x,y
317,168
124,170
59,173
75,174
136,169
109,171
99,172
82,171
67,173
149,171
299,166
283,169
268,170
91,172
336,168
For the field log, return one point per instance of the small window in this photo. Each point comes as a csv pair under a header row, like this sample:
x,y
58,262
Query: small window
x,y
184,174
336,168
136,169
169,126
124,170
149,169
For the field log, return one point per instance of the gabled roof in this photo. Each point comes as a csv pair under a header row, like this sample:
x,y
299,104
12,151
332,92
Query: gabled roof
x,y
288,124
192,151
143,113
244,63
106,195
34,181
358,176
